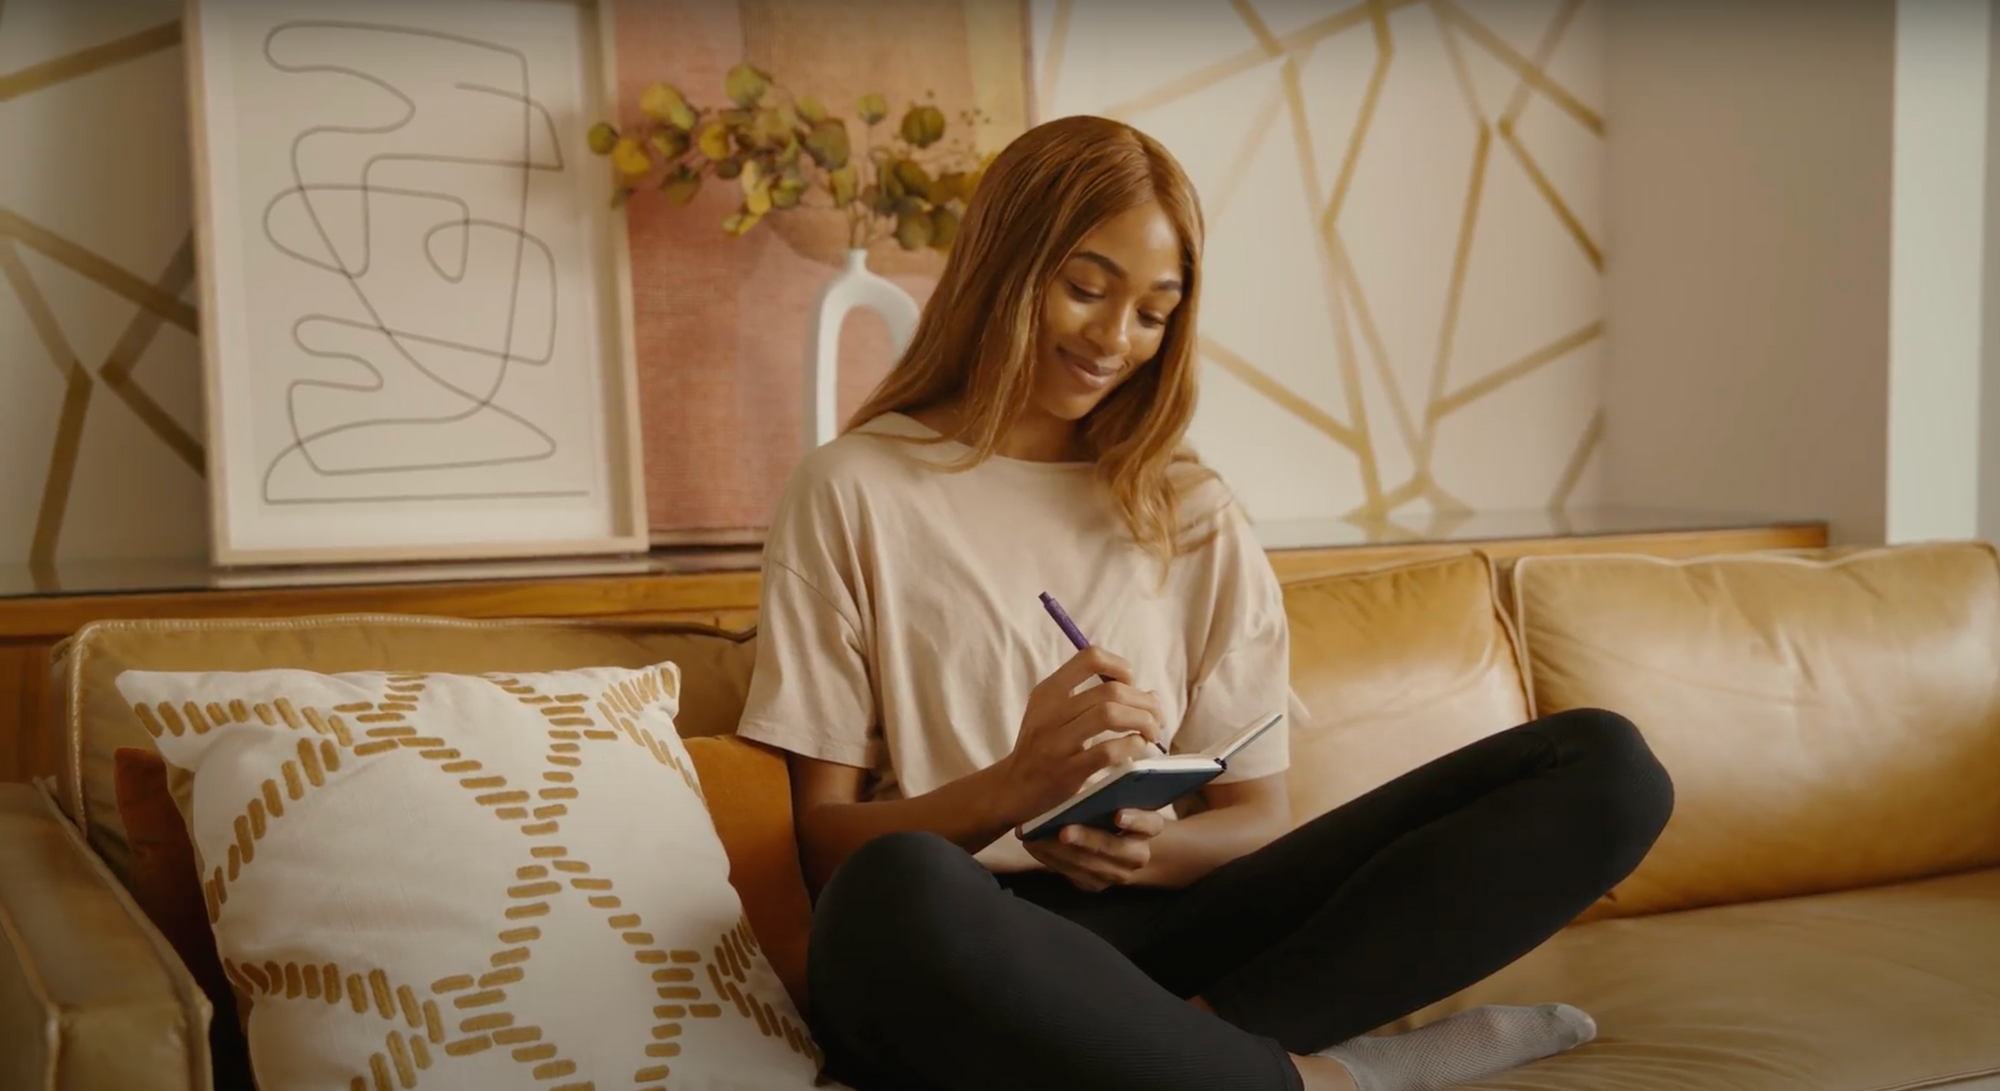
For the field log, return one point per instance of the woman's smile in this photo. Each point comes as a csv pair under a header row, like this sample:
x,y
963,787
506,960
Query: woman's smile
x,y
1093,375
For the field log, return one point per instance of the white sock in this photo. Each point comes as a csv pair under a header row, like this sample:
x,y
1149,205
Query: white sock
x,y
1471,1045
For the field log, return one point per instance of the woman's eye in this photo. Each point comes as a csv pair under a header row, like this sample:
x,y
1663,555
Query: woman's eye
x,y
1152,321
1080,292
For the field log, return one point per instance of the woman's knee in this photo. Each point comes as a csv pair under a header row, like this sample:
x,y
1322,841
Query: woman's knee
x,y
900,858
890,897
1637,793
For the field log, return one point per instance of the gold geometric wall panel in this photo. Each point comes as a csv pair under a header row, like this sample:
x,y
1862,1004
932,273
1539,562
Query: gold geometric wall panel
x,y
1402,315
1403,319
100,404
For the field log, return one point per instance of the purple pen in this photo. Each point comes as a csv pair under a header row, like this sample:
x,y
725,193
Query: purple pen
x,y
1077,638
1069,628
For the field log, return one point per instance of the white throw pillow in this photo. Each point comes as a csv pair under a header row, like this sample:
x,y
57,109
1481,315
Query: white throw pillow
x,y
454,881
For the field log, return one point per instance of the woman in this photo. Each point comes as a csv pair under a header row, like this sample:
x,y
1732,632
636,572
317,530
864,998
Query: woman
x,y
1030,440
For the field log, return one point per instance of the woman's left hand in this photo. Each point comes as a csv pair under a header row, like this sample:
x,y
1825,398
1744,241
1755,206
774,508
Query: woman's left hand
x,y
1094,859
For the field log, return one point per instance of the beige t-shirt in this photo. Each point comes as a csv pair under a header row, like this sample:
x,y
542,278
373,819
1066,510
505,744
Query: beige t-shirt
x,y
901,630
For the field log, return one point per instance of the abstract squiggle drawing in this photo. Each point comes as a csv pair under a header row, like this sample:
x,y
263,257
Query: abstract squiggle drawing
x,y
405,404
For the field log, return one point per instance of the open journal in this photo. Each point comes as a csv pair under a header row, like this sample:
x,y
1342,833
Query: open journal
x,y
1146,784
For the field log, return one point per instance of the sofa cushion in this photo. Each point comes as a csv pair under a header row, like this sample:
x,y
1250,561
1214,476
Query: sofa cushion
x,y
715,666
90,996
1885,989
1829,722
468,855
1396,666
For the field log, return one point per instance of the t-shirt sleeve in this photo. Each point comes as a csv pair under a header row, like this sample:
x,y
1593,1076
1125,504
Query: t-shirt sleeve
x,y
812,689
1242,669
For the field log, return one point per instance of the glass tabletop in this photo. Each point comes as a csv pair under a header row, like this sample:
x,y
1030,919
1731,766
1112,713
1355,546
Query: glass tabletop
x,y
174,575
1469,527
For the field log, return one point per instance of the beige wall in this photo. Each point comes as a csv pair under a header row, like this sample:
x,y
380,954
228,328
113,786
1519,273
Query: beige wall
x,y
1748,188
1405,296
1937,269
1403,309
100,414
1989,352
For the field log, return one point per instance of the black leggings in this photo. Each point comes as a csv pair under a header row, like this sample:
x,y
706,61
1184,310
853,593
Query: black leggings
x,y
929,973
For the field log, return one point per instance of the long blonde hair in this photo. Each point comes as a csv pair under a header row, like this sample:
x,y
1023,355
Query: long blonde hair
x,y
976,340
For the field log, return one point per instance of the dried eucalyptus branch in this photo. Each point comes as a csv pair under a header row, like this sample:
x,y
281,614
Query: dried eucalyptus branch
x,y
784,152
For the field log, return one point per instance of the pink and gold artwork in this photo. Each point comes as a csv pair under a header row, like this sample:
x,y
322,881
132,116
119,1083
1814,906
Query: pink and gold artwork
x,y
720,320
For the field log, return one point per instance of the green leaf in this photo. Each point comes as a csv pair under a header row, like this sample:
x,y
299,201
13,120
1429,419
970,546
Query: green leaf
x,y
602,138
914,177
745,85
787,191
951,186
768,129
872,108
846,181
756,188
913,231
630,158
827,144
663,103
944,228
728,168
923,126
670,143
714,140
811,110
681,186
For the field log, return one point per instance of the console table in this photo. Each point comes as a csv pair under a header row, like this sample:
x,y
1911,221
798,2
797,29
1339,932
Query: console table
x,y
39,606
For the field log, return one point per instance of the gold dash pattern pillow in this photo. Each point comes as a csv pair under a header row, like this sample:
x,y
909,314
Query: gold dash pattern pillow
x,y
452,881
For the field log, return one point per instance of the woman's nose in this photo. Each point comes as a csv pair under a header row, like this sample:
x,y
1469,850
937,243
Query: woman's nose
x,y
1109,335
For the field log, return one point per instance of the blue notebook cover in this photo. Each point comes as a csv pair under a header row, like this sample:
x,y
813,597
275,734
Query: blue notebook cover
x,y
1147,785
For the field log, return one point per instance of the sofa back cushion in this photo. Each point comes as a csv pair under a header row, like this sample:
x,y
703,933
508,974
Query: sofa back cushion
x,y
1396,666
1829,722
96,721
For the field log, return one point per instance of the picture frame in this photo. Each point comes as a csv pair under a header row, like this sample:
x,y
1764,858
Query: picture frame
x,y
415,292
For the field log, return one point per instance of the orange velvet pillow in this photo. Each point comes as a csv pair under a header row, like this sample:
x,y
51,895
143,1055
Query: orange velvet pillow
x,y
167,885
746,786
749,795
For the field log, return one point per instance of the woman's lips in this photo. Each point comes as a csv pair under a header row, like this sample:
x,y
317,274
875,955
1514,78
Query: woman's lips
x,y
1088,372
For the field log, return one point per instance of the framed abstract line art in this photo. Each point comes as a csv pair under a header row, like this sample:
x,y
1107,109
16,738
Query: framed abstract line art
x,y
416,306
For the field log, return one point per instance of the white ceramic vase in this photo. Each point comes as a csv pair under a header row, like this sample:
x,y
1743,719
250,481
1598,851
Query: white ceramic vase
x,y
854,286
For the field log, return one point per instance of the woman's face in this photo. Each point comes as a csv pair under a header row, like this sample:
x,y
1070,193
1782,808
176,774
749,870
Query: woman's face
x,y
1106,313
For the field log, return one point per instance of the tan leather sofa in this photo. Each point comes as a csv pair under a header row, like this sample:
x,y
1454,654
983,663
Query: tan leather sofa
x,y
1822,913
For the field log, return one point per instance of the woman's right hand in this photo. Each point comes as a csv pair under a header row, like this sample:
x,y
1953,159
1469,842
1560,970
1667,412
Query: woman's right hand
x,y
1050,761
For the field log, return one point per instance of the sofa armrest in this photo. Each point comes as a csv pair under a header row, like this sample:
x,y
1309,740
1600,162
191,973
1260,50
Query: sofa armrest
x,y
91,996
